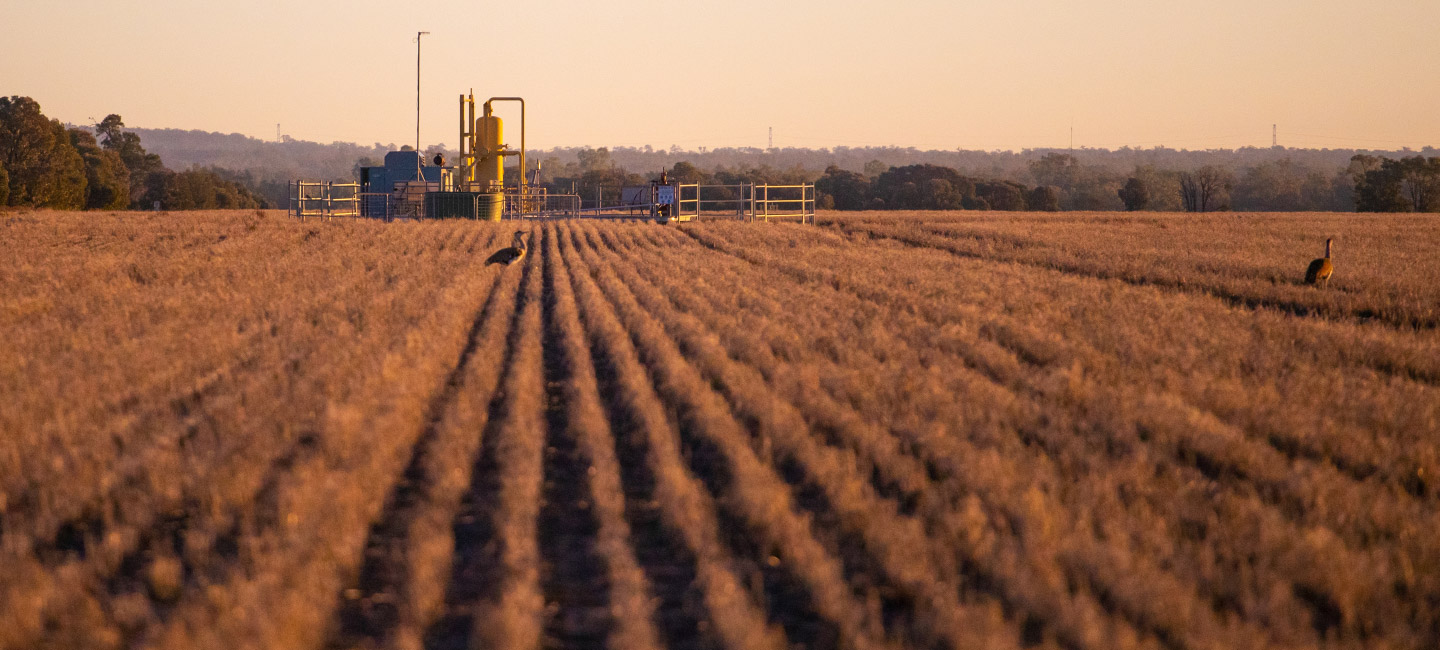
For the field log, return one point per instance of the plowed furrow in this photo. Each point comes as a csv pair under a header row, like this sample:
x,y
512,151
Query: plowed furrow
x,y
758,495
1219,291
573,578
397,589
630,613
512,617
1058,440
493,530
898,543
686,511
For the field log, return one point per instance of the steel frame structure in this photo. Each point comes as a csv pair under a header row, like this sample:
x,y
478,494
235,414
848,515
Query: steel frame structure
x,y
323,199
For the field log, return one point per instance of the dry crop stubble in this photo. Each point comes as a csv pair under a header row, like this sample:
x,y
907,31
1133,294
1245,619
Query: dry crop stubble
x,y
1146,411
875,446
894,430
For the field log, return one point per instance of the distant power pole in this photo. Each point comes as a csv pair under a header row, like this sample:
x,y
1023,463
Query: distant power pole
x,y
1072,134
277,131
772,137
1274,135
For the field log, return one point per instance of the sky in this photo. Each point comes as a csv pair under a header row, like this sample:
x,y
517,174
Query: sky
x,y
968,74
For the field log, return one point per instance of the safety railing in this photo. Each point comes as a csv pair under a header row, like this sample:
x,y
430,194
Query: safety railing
x,y
536,202
693,200
793,201
749,201
324,199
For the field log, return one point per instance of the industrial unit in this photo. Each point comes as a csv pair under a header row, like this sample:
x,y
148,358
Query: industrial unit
x,y
405,187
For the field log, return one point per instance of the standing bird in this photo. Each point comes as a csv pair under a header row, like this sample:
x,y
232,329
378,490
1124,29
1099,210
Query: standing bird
x,y
514,253
1321,269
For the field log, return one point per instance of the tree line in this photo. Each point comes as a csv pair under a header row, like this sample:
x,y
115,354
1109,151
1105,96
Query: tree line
x,y
1247,178
1060,182
44,164
1056,181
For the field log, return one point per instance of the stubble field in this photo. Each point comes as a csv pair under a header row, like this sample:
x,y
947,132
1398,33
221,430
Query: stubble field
x,y
893,430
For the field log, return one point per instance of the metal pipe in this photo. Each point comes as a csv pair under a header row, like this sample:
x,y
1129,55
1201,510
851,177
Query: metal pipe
x,y
461,162
522,132
470,124
419,154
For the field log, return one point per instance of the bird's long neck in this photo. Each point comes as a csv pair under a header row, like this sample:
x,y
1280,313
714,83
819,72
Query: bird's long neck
x,y
1327,249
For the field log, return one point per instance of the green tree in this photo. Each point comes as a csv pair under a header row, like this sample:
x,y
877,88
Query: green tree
x,y
685,172
109,131
1420,182
1082,187
1135,195
107,181
1045,198
594,159
4,185
1379,184
44,169
910,187
1058,169
1281,186
196,189
1164,187
139,163
943,196
1002,195
848,190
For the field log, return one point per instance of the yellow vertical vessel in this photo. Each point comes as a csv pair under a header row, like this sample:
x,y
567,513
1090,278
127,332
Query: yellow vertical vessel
x,y
490,164
483,152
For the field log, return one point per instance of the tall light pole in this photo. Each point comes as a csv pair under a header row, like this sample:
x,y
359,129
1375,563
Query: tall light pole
x,y
420,155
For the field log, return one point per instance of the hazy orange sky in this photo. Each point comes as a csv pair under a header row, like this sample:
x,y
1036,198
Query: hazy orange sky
x,y
974,75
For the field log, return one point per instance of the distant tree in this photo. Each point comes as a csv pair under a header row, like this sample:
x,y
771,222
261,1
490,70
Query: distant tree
x,y
1045,198
1206,189
1135,195
1002,195
138,163
196,189
44,169
1058,169
1281,186
1163,187
910,187
685,172
107,181
594,159
847,190
110,131
875,168
975,203
941,195
4,185
1420,182
1379,185
1082,187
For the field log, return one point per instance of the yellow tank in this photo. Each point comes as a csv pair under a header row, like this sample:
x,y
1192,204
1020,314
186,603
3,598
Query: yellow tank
x,y
491,206
489,141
